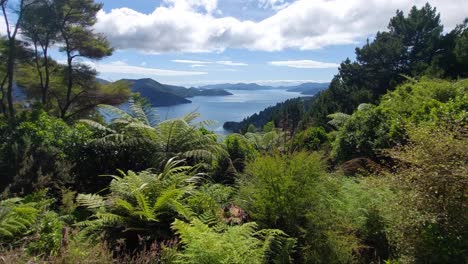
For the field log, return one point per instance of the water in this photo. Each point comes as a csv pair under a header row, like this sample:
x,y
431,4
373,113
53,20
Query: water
x,y
227,108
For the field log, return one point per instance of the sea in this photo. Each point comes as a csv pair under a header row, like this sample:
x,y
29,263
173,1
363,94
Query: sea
x,y
235,107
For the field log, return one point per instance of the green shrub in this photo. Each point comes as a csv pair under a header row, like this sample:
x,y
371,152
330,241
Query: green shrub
x,y
310,139
48,235
429,220
373,128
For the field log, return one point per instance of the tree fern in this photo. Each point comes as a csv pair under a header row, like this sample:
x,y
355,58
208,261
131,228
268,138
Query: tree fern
x,y
138,201
171,138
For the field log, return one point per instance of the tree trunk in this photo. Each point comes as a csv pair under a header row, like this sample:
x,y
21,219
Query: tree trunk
x,y
2,91
10,73
47,76
69,83
39,72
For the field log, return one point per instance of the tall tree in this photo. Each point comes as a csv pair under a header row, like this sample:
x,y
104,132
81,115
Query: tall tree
x,y
11,33
39,25
420,33
75,20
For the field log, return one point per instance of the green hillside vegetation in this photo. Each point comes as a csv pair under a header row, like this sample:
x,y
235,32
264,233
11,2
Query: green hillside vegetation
x,y
372,170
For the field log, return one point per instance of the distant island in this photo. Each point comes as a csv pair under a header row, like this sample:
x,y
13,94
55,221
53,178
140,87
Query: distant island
x,y
160,94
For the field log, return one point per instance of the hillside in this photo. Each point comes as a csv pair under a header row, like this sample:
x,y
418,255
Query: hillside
x,y
166,95
309,88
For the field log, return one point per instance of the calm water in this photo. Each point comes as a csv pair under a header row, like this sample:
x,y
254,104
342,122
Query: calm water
x,y
227,108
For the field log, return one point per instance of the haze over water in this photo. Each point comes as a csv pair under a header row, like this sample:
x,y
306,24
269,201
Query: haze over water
x,y
234,107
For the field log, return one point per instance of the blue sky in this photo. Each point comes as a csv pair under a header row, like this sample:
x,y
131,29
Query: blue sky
x,y
277,42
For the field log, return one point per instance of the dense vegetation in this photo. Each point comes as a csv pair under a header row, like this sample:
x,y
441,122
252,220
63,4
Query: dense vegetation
x,y
372,170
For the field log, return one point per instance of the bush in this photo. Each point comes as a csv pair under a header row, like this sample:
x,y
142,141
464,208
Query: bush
x,y
48,236
431,216
373,128
310,139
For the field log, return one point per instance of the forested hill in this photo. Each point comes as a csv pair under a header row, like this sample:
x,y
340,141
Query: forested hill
x,y
160,94
292,108
309,88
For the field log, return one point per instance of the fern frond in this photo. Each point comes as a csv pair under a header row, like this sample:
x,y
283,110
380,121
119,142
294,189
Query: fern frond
x,y
90,201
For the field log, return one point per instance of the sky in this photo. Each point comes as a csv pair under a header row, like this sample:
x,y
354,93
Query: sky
x,y
276,42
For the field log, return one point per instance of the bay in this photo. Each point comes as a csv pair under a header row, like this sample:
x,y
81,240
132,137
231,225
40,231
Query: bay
x,y
235,107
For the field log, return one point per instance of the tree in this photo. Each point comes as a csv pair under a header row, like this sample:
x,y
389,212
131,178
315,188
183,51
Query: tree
x,y
75,20
11,57
420,33
461,46
40,26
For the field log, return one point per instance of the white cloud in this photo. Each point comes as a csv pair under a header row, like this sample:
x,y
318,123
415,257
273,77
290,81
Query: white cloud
x,y
231,63
207,5
305,64
191,61
190,26
124,68
197,65
273,4
2,27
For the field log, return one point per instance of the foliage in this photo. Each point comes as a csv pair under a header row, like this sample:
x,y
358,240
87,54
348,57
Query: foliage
x,y
372,128
49,235
39,152
167,139
16,217
141,203
310,139
292,193
430,220
231,244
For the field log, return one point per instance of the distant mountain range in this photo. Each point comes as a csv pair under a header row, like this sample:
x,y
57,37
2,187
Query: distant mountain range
x,y
166,95
309,88
237,86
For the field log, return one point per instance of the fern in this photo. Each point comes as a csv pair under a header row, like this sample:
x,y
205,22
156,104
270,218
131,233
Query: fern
x,y
16,217
171,138
137,201
230,244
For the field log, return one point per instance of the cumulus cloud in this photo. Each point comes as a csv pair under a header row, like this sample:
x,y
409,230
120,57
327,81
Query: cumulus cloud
x,y
124,68
304,64
190,26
